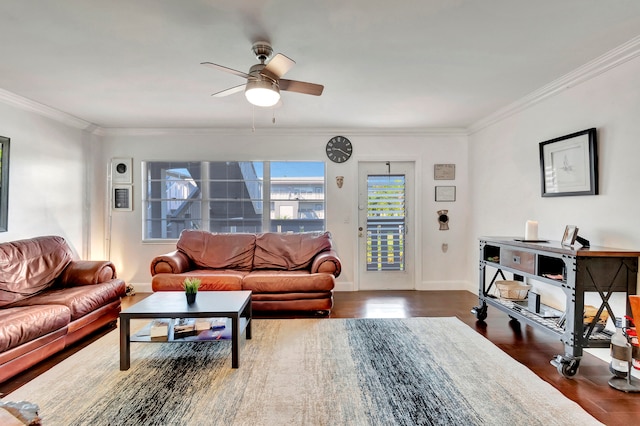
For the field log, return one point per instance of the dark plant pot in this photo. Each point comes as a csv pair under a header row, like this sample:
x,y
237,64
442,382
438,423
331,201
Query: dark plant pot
x,y
191,298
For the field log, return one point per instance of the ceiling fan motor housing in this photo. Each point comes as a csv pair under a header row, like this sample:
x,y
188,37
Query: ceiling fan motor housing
x,y
262,50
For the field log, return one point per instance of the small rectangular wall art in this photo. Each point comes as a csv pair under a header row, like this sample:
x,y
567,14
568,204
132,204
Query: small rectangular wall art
x,y
445,193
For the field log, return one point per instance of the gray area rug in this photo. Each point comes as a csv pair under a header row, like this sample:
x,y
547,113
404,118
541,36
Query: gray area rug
x,y
416,371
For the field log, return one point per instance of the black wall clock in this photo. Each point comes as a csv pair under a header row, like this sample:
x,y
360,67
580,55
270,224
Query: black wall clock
x,y
339,149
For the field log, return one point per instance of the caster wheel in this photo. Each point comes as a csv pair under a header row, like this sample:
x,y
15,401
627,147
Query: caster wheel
x,y
480,312
566,367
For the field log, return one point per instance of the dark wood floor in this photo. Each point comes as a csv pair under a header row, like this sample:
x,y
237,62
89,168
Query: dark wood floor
x,y
531,347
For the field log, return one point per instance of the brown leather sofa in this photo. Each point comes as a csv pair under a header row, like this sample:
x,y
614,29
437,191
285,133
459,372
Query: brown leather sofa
x,y
49,300
285,272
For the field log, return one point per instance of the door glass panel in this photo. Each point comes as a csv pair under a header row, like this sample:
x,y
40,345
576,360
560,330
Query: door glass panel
x,y
385,222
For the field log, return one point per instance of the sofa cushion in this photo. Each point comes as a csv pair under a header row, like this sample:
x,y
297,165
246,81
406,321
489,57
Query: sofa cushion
x,y
80,300
30,266
218,251
23,324
289,252
210,280
287,282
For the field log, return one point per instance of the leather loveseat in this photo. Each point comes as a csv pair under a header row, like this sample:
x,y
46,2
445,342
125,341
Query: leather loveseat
x,y
49,300
285,272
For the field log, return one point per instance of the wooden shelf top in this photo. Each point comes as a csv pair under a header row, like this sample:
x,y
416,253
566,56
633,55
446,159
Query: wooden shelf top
x,y
556,247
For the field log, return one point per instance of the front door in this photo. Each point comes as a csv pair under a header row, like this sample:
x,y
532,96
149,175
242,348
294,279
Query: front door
x,y
385,229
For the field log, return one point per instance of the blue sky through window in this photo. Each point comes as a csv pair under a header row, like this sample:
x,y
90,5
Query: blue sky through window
x,y
292,168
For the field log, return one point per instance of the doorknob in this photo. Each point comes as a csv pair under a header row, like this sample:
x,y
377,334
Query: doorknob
x,y
360,234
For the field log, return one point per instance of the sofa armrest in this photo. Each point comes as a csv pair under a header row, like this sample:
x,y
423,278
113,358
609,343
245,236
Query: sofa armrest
x,y
327,262
175,262
87,272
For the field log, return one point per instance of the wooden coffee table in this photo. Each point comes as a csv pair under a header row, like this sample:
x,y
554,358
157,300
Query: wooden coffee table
x,y
235,305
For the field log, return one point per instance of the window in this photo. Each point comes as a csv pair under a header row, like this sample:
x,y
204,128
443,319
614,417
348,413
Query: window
x,y
228,196
385,222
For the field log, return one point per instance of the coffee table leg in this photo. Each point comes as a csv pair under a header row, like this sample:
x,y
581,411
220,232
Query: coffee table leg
x,y
248,310
125,343
235,341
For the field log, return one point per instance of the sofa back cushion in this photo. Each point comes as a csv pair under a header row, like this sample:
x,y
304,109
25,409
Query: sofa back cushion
x,y
218,251
30,266
289,252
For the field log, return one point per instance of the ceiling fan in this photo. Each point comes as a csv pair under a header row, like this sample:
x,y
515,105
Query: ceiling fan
x,y
264,81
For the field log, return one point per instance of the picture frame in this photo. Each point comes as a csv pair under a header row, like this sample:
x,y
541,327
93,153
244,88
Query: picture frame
x,y
122,198
444,171
569,165
570,234
445,193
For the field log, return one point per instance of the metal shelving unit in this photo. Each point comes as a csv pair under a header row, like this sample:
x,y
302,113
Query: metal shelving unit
x,y
575,271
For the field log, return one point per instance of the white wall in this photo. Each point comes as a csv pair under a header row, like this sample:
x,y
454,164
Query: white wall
x,y
58,179
505,169
439,270
50,177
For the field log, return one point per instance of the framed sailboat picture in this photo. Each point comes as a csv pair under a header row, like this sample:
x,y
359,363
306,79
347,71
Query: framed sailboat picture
x,y
569,165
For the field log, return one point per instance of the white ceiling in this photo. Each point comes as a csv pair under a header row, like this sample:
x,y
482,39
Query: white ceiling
x,y
395,65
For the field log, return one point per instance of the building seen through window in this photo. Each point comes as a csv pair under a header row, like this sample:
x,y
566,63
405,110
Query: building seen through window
x,y
228,197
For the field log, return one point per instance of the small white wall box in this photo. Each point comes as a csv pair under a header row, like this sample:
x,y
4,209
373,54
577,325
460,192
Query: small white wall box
x,y
122,197
121,170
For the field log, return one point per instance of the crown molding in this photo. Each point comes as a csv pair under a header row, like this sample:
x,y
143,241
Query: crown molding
x,y
600,65
46,111
284,131
75,122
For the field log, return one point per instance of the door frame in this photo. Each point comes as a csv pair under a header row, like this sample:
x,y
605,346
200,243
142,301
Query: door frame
x,y
415,215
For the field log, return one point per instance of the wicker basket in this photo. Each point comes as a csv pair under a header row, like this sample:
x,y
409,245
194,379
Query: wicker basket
x,y
513,290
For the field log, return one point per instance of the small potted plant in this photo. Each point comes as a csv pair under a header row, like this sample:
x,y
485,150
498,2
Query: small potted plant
x,y
191,286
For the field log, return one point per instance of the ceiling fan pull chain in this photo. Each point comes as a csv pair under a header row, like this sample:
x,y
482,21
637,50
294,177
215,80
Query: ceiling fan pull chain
x,y
273,119
253,119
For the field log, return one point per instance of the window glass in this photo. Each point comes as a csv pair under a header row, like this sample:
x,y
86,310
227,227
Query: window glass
x,y
236,196
297,196
173,198
228,196
386,214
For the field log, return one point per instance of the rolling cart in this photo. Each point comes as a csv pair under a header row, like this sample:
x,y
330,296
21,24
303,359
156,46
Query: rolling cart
x,y
576,271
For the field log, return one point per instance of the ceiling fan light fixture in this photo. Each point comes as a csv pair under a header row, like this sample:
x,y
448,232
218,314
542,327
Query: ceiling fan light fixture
x,y
262,93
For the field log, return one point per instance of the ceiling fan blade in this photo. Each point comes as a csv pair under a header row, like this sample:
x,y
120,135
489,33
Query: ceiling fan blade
x,y
229,91
279,65
301,87
225,69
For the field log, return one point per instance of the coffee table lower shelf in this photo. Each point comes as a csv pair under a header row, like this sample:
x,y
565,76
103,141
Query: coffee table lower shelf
x,y
211,335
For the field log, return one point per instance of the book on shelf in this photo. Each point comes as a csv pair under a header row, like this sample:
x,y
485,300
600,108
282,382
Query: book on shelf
x,y
203,324
184,327
159,330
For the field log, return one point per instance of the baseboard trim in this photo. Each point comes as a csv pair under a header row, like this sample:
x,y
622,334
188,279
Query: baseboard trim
x,y
141,287
448,285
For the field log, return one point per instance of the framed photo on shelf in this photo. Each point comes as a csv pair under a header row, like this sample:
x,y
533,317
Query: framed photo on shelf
x,y
570,234
569,165
445,193
444,171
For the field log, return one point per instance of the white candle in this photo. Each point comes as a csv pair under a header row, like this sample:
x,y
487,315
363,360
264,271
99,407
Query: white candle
x,y
531,230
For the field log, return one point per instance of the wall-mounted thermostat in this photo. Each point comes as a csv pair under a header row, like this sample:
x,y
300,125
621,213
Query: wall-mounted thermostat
x,y
121,170
122,196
